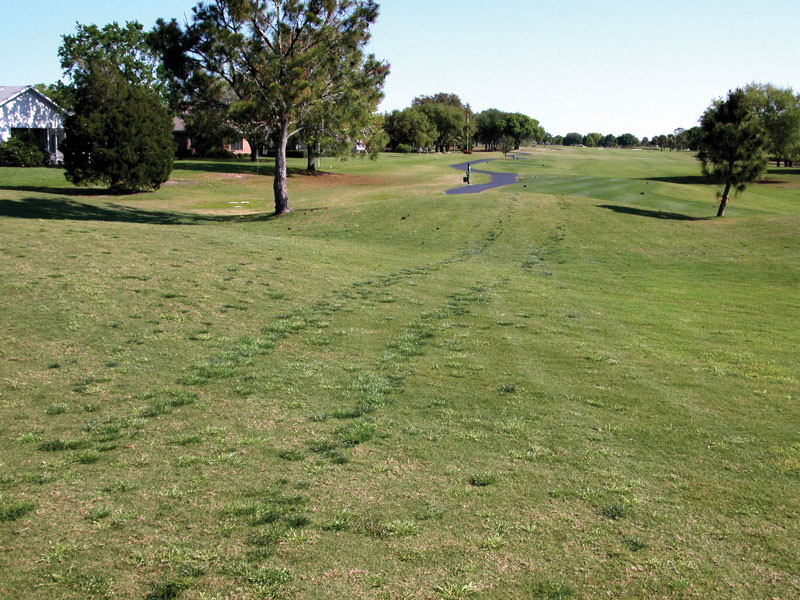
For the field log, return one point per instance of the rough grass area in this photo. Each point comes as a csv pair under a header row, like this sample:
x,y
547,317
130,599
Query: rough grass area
x,y
578,386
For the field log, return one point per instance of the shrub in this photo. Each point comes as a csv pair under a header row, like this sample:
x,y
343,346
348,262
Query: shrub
x,y
120,134
404,149
289,154
215,153
21,151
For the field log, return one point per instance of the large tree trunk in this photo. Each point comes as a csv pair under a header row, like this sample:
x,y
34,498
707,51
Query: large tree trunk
x,y
311,165
724,202
279,186
253,149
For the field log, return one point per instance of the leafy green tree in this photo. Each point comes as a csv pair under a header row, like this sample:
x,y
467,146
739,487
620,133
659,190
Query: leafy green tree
x,y
558,140
506,144
679,135
627,140
120,131
279,59
610,141
60,93
454,127
120,134
409,127
210,132
778,110
691,137
731,144
662,142
592,139
440,98
521,128
336,126
573,139
375,136
124,47
470,129
490,126
449,122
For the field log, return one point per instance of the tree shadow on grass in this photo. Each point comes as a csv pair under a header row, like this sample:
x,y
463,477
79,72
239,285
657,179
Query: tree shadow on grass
x,y
783,171
653,214
701,180
59,191
682,179
43,208
235,167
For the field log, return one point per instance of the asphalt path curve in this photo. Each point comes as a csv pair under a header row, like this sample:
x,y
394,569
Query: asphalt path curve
x,y
497,180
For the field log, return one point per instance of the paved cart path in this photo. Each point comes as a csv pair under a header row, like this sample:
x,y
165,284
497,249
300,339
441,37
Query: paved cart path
x,y
498,179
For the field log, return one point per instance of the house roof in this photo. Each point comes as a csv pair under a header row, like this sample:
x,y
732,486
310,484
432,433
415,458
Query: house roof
x,y
9,92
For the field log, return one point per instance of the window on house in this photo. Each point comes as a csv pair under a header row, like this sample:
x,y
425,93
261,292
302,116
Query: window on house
x,y
237,145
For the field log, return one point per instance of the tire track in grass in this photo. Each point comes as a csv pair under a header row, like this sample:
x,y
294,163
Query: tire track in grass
x,y
279,511
375,388
100,435
540,256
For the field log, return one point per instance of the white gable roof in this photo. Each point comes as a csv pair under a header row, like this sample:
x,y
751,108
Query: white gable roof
x,y
25,107
9,91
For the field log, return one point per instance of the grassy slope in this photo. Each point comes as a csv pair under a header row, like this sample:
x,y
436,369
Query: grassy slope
x,y
567,387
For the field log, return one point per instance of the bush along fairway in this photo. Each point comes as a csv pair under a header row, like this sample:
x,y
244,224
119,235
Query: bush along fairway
x,y
581,385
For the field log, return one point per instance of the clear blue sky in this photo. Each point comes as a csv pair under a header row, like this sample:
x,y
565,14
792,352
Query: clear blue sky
x,y
612,66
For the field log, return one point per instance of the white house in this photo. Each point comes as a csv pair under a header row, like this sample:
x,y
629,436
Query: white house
x,y
26,108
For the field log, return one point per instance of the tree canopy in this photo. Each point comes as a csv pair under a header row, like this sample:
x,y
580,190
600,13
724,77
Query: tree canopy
x,y
410,127
778,112
439,98
627,140
592,139
449,122
731,144
120,134
609,141
493,124
124,47
272,63
522,128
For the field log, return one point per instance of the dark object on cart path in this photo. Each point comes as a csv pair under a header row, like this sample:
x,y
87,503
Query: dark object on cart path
x,y
498,179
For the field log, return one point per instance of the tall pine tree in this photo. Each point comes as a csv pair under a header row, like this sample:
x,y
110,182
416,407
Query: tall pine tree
x,y
731,145
280,59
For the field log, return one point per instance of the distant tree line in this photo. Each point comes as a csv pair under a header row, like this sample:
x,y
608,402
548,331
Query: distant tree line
x,y
443,122
680,139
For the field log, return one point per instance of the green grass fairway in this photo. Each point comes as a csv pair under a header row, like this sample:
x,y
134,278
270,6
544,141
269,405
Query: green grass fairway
x,y
578,386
